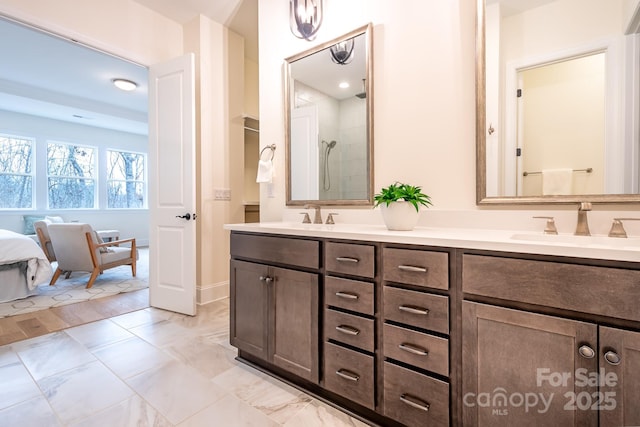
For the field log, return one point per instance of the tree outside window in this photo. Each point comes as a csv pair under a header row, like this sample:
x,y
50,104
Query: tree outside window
x,y
71,176
16,172
125,180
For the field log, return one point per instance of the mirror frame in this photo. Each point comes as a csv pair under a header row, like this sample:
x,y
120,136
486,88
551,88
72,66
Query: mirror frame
x,y
481,164
365,30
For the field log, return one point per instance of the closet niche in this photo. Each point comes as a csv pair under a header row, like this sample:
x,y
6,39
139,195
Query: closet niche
x,y
251,193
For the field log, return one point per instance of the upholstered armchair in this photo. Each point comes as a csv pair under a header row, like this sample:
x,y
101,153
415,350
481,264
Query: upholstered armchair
x,y
42,231
78,248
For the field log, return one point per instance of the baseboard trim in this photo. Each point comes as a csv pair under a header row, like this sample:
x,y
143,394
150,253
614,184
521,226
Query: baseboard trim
x,y
213,292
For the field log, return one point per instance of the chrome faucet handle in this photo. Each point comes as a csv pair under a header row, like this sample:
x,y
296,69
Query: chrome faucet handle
x,y
585,206
617,229
330,218
306,219
550,226
317,217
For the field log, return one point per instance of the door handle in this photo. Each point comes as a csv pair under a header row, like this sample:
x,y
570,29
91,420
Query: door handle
x,y
186,216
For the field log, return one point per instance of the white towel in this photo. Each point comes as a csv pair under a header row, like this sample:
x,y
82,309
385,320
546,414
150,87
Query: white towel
x,y
266,171
557,181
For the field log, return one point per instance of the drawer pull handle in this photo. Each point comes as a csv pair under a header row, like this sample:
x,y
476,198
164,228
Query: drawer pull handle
x,y
413,349
414,402
266,279
612,358
346,295
412,268
348,375
414,310
346,259
349,330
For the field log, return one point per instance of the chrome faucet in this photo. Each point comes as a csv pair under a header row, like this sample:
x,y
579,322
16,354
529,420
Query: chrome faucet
x,y
317,217
582,228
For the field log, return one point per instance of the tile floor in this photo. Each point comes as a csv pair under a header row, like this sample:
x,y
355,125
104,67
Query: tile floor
x,y
148,368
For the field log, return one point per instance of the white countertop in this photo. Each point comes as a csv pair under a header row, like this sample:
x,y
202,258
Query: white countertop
x,y
593,247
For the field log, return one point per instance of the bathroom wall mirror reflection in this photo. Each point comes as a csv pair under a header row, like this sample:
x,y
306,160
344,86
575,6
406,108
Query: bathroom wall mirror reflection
x,y
557,101
329,122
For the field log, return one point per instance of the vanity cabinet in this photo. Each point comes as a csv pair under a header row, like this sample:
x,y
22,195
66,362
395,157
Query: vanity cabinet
x,y
527,368
415,333
274,310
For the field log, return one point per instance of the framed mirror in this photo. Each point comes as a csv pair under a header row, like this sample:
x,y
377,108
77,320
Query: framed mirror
x,y
329,122
557,99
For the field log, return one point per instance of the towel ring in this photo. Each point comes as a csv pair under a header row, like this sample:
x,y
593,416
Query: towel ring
x,y
271,147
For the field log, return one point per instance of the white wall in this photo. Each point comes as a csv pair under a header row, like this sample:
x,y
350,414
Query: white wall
x,y
131,223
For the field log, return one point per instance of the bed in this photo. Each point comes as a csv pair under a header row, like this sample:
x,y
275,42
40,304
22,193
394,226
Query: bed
x,y
23,266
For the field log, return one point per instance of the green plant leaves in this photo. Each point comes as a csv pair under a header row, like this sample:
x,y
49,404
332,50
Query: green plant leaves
x,y
402,192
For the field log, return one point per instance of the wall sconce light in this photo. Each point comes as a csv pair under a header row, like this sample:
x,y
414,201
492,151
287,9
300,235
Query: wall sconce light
x,y
305,18
342,52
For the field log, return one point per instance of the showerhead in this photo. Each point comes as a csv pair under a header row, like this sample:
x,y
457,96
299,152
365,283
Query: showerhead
x,y
361,95
332,144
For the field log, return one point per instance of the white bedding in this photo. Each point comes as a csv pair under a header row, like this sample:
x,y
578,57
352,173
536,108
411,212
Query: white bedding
x,y
16,247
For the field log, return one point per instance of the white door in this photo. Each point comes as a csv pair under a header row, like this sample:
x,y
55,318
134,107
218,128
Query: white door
x,y
172,201
304,153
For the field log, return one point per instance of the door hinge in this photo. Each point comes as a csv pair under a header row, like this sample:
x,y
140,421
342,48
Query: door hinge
x,y
518,152
519,93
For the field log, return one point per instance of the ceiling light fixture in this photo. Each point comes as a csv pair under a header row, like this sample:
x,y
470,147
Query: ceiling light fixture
x,y
343,85
305,18
342,52
124,84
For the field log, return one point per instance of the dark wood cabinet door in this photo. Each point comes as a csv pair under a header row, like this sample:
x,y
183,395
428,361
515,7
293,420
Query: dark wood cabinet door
x,y
248,311
620,377
525,369
294,322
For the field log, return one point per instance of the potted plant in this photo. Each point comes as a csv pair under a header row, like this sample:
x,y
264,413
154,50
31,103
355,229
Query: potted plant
x,y
400,205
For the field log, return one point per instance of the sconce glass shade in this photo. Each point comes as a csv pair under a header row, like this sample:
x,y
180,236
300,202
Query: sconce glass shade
x,y
305,18
342,53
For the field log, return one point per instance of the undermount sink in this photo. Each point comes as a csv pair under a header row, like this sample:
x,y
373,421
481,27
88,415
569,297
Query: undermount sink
x,y
583,241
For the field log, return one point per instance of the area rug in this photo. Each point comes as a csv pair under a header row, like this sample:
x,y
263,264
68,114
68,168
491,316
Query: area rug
x,y
73,290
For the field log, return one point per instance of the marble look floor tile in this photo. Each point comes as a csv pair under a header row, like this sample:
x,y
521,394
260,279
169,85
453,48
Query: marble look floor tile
x,y
209,359
229,411
51,354
16,385
7,355
140,317
131,357
133,412
83,391
272,397
318,414
35,412
97,334
163,333
175,390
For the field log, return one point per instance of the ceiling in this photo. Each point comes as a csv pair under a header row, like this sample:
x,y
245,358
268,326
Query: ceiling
x,y
60,79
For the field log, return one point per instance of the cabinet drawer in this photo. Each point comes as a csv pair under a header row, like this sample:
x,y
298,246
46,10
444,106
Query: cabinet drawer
x,y
414,267
587,289
349,294
415,399
349,374
418,309
297,252
416,348
348,258
349,329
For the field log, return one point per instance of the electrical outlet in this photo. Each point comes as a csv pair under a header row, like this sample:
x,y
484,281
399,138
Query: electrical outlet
x,y
222,194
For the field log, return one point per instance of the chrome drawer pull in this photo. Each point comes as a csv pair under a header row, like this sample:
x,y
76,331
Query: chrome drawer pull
x,y
266,279
414,310
346,295
345,259
414,402
347,375
586,352
349,330
612,358
413,349
412,268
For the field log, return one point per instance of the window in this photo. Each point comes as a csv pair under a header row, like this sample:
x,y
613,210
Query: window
x,y
16,172
125,180
71,176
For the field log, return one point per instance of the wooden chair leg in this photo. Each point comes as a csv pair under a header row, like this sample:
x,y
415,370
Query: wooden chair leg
x,y
94,275
133,268
67,274
56,274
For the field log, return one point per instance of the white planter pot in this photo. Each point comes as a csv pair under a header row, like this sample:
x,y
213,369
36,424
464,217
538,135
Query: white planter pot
x,y
400,216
